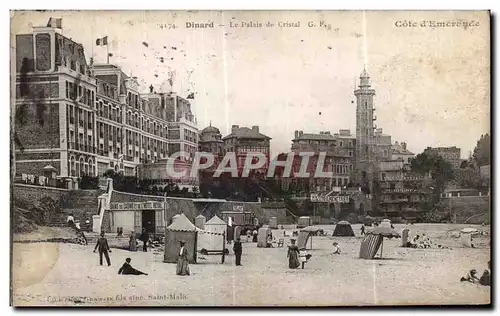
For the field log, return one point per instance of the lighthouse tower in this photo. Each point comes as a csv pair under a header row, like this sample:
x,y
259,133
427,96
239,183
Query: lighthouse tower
x,y
365,140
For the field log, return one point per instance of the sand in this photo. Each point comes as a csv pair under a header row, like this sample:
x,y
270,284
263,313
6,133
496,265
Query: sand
x,y
69,275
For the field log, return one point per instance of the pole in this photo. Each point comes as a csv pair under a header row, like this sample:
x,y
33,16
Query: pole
x,y
107,53
382,248
223,246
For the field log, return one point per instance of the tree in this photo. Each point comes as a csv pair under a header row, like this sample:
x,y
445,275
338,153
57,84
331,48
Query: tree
x,y
482,151
440,170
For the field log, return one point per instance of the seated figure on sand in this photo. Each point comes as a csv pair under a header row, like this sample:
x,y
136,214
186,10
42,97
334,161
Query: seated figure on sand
x,y
127,269
336,249
471,276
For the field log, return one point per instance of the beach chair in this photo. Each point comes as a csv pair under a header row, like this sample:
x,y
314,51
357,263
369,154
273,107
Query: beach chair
x,y
281,241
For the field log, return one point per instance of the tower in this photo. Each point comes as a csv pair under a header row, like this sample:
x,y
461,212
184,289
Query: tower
x,y
365,141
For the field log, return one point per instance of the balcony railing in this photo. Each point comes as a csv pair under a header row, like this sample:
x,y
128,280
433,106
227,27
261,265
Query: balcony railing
x,y
82,147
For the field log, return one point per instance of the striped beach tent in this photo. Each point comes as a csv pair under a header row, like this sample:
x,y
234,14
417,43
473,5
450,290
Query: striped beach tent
x,y
370,246
374,240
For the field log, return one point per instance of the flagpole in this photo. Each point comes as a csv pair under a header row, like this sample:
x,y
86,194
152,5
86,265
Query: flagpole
x,y
107,52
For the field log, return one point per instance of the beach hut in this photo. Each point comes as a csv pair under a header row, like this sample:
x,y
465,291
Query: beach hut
x,y
273,222
199,221
180,229
306,234
262,237
303,221
343,229
375,240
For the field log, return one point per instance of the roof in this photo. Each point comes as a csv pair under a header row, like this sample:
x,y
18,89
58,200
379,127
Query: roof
x,y
182,223
245,132
402,152
343,223
200,216
211,129
316,136
215,221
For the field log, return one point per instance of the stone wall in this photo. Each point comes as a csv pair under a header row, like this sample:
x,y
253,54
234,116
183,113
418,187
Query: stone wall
x,y
467,206
29,194
81,203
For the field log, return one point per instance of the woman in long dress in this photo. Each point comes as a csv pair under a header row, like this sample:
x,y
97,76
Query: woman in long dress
x,y
132,243
182,261
293,256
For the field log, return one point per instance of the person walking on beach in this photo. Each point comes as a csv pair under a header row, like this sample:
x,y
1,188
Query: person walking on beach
x,y
182,261
362,229
238,250
145,238
127,269
255,234
102,245
132,243
293,255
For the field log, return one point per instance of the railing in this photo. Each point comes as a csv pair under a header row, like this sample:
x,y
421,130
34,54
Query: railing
x,y
82,147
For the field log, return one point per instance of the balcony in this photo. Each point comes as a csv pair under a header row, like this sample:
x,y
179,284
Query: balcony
x,y
82,147
102,152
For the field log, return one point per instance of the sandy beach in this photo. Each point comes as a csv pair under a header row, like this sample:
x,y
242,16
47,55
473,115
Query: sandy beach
x,y
69,275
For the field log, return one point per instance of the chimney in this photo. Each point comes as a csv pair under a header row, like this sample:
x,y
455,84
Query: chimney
x,y
255,128
301,133
403,145
234,128
321,133
296,134
327,133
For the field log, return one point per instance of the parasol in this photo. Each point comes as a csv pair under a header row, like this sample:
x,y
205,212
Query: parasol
x,y
384,231
468,230
311,229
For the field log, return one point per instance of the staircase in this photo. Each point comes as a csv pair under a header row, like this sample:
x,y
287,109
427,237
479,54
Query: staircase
x,y
81,203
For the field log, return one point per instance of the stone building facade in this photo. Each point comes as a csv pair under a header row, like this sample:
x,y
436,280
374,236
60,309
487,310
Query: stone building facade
x,y
86,119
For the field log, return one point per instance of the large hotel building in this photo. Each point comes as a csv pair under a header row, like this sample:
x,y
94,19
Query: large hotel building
x,y
86,119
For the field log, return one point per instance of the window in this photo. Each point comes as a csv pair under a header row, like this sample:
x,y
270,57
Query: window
x,y
341,143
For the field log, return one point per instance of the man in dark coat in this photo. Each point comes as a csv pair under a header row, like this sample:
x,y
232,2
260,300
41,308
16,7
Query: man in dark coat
x,y
102,245
145,238
238,250
127,269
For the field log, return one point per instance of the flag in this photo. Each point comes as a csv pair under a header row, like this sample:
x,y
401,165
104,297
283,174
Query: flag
x,y
110,55
190,96
57,23
102,41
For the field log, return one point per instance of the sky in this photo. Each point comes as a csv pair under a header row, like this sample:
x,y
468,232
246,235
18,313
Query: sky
x,y
432,84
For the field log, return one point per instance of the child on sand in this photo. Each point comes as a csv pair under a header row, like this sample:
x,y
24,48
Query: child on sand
x,y
471,276
336,249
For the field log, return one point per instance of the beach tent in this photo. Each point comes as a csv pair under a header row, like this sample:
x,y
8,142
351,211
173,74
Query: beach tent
x,y
375,240
466,236
199,221
368,221
306,234
180,229
370,246
176,216
262,237
216,225
344,229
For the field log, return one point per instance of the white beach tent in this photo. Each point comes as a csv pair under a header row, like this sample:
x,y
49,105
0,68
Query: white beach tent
x,y
213,241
